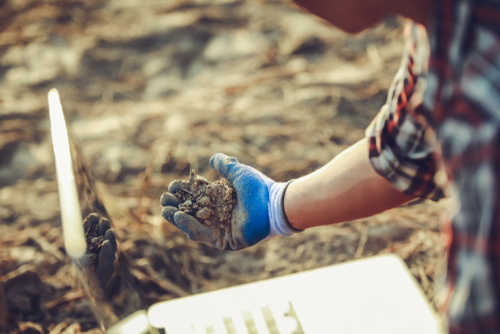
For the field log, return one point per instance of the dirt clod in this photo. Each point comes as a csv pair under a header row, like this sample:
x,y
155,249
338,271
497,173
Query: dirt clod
x,y
211,203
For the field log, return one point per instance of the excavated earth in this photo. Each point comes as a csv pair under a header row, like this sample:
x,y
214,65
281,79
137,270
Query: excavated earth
x,y
211,203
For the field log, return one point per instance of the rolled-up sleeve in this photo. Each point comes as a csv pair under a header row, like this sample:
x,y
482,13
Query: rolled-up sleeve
x,y
401,140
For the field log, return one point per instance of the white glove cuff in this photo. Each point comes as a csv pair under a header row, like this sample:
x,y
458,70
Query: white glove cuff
x,y
277,217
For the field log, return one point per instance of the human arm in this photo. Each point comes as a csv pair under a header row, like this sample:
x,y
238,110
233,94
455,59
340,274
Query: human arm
x,y
345,189
399,147
357,15
395,163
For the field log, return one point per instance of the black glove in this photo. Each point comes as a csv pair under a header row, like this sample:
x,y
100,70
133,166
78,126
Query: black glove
x,y
101,248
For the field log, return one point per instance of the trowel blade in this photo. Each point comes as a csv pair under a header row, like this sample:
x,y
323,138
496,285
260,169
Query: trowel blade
x,y
71,215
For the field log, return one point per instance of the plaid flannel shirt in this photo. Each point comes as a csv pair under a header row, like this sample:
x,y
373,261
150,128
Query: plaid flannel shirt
x,y
439,132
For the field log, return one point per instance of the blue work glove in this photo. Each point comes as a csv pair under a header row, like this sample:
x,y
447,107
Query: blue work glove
x,y
258,214
102,263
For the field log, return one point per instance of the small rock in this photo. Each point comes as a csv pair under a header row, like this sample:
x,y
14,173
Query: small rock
x,y
205,201
204,213
208,222
221,226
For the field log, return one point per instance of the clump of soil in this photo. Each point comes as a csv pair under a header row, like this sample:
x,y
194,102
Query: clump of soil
x,y
211,203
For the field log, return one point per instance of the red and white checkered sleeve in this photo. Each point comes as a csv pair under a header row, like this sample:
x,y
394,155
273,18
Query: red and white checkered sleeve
x,y
401,140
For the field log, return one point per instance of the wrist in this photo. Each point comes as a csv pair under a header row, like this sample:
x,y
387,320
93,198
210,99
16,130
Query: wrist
x,y
279,224
292,206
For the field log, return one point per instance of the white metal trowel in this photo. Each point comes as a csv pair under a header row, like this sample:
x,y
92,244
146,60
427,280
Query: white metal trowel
x,y
71,215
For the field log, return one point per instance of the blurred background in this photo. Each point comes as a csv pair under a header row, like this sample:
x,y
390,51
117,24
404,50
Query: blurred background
x,y
152,89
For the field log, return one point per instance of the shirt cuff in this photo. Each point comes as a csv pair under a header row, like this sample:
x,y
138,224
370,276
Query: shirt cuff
x,y
279,224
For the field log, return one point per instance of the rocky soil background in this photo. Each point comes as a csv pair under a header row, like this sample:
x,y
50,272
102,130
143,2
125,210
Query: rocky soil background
x,y
152,89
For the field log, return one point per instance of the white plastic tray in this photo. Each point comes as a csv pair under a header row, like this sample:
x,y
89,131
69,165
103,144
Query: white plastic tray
x,y
374,295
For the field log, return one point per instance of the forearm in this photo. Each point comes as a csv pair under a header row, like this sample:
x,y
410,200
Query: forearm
x,y
345,189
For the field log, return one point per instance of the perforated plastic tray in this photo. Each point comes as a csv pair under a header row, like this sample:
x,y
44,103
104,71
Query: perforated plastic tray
x,y
374,295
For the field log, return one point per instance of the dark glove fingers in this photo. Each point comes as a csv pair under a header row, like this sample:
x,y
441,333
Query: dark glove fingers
x,y
110,235
176,185
167,199
104,225
194,229
106,263
91,220
168,213
85,259
224,165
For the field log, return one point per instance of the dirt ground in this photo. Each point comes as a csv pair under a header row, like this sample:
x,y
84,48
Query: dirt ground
x,y
152,89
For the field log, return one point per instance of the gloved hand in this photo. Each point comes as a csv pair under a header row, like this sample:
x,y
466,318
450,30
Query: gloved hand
x,y
100,262
259,213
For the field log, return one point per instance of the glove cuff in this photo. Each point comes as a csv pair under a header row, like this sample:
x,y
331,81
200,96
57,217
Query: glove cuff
x,y
279,224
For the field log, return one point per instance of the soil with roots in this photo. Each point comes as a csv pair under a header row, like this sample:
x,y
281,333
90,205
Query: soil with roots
x,y
211,203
